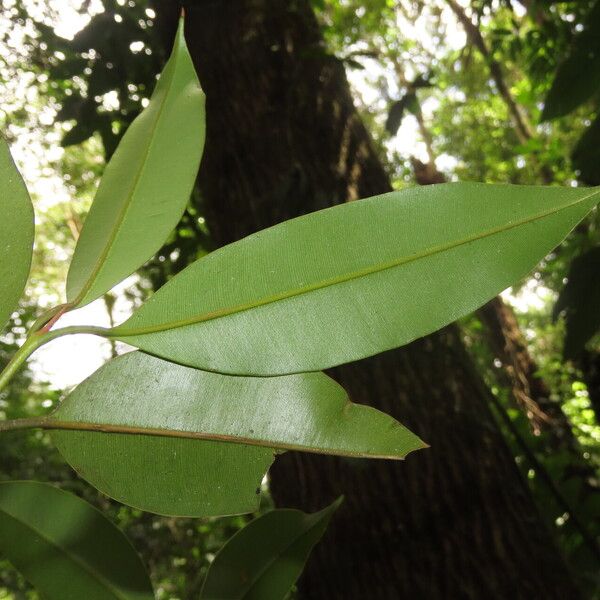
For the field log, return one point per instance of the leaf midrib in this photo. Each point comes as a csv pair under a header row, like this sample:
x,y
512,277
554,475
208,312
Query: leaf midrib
x,y
117,594
109,428
127,205
273,560
122,332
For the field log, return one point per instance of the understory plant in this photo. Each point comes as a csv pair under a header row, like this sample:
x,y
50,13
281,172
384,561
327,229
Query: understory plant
x,y
228,371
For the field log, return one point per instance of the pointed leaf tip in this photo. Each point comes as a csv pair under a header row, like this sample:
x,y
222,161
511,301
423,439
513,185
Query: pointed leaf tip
x,y
264,560
147,184
313,301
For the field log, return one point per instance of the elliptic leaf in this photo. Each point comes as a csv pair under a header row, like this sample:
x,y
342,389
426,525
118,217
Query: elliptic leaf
x,y
264,560
580,301
146,185
67,548
211,436
350,281
16,234
578,77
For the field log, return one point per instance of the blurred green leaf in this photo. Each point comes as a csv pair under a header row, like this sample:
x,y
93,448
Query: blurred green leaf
x,y
16,234
578,77
263,560
586,155
194,471
67,548
146,185
395,115
580,302
316,291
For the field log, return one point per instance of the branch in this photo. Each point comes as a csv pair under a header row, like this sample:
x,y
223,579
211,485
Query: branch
x,y
522,126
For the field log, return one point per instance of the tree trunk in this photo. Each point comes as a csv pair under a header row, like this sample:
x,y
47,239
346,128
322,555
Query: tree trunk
x,y
529,390
454,521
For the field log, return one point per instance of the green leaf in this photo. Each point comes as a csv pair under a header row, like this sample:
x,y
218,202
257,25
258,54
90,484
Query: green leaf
x,y
586,155
146,185
169,476
580,302
16,234
578,77
353,280
187,420
263,560
66,548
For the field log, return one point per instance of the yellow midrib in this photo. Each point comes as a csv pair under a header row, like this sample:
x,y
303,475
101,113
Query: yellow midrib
x,y
123,332
95,575
129,201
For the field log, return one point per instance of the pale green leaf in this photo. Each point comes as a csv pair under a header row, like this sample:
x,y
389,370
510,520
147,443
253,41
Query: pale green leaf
x,y
66,548
16,234
263,560
354,280
146,185
211,437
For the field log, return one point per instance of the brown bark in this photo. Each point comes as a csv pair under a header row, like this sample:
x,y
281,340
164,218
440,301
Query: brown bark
x,y
455,521
528,389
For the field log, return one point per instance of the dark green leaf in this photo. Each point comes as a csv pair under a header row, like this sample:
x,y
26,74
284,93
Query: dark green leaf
x,y
167,403
171,476
146,185
580,302
395,114
354,280
65,547
16,234
586,155
578,77
263,560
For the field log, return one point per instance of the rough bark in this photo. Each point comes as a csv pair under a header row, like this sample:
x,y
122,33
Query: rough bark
x,y
521,373
455,521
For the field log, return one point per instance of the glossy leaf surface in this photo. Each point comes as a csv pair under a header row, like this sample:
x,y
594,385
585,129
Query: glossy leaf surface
x,y
354,280
578,77
67,548
184,462
139,393
580,301
16,234
263,560
146,185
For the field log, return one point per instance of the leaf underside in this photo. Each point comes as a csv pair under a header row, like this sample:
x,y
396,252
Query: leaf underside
x,y
209,437
16,234
146,185
316,291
